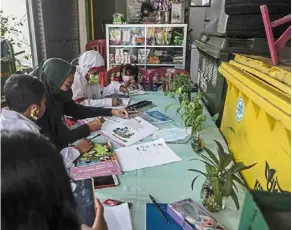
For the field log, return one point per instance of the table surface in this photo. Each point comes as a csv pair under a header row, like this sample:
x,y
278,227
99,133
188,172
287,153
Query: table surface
x,y
170,182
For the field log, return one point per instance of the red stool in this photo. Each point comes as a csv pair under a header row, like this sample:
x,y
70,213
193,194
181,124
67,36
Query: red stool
x,y
275,47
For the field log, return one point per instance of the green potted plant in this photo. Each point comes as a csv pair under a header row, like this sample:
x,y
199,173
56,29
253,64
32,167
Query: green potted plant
x,y
179,81
191,112
220,178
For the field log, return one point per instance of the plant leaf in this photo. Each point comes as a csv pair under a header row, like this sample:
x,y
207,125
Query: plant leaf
x,y
238,180
215,117
226,161
198,171
167,107
221,152
212,156
227,187
194,180
211,170
235,199
216,189
239,166
207,159
234,186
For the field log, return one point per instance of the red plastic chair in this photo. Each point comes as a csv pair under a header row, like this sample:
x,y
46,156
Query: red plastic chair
x,y
98,45
275,47
156,75
114,72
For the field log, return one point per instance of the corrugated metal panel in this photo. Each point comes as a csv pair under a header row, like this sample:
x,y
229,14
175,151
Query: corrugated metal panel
x,y
56,28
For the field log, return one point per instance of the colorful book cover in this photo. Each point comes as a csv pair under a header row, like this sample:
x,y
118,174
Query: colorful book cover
x,y
191,216
101,161
156,117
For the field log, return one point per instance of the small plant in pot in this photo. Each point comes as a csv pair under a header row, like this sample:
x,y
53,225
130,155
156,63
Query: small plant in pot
x,y
179,81
191,112
221,178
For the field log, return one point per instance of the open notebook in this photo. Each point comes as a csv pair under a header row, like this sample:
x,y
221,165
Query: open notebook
x,y
118,217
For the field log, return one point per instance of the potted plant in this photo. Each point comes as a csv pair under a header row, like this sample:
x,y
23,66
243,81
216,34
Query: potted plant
x,y
179,81
191,112
220,178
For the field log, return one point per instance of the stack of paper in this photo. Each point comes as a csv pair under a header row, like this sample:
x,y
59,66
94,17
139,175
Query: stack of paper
x,y
128,131
118,217
146,155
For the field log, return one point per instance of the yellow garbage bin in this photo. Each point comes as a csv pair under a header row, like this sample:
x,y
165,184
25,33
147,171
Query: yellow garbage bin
x,y
256,124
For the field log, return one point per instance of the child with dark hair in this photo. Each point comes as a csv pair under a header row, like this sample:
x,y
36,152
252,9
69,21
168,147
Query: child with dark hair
x,y
25,97
35,188
128,78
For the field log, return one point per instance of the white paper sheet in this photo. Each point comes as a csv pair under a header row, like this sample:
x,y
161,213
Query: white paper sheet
x,y
118,217
146,155
128,131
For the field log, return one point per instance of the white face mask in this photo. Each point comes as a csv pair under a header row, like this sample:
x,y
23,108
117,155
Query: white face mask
x,y
126,78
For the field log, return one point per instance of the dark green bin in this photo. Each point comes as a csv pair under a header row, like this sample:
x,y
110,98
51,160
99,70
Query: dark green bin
x,y
213,51
266,211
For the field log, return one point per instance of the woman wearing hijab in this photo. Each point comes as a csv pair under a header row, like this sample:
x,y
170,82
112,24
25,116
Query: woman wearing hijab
x,y
86,87
57,76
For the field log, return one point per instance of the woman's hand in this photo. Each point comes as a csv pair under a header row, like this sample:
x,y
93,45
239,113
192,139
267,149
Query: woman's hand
x,y
116,101
99,222
95,125
123,113
124,89
84,145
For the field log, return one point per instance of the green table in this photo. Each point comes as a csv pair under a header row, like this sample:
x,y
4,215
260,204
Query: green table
x,y
171,182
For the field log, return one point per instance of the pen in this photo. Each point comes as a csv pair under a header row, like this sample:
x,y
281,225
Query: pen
x,y
160,210
90,139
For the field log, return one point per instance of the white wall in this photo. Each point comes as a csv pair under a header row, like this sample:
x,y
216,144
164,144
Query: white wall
x,y
82,25
196,21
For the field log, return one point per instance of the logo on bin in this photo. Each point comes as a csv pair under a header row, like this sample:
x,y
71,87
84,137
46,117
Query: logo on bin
x,y
239,109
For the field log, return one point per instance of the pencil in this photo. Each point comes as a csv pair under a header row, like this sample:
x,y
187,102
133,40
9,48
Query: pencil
x,y
160,210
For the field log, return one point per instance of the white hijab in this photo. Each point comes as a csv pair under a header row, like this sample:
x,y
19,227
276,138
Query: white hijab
x,y
81,88
88,60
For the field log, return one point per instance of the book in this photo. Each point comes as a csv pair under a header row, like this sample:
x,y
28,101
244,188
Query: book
x,y
128,131
156,117
83,191
101,161
155,220
191,216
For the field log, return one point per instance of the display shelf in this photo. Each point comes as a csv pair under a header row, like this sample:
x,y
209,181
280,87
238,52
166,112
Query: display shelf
x,y
146,44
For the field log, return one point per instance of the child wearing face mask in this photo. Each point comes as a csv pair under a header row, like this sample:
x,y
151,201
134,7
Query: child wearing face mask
x,y
129,77
126,81
86,87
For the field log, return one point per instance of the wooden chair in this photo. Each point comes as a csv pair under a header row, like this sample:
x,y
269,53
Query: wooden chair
x,y
275,47
98,45
158,75
113,72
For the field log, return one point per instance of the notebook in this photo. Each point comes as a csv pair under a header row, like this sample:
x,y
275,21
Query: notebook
x,y
128,131
118,217
101,161
83,191
156,117
155,220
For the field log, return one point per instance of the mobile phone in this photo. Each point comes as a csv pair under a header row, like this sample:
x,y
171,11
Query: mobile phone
x,y
105,181
83,191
